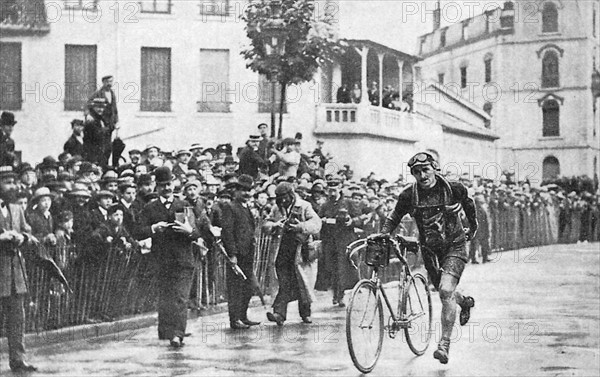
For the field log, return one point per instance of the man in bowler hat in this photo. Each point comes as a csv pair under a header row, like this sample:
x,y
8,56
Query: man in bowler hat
x,y
172,238
239,242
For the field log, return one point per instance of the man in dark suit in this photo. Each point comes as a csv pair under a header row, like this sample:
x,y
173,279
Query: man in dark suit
x,y
13,286
74,145
251,163
172,235
96,134
238,238
111,113
109,116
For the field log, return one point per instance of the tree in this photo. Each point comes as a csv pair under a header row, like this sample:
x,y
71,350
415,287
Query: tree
x,y
311,42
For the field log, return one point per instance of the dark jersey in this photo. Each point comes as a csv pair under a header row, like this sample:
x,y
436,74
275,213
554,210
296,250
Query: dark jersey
x,y
438,212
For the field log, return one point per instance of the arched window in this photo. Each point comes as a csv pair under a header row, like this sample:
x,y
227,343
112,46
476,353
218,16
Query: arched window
x,y
550,74
549,18
551,118
550,168
487,62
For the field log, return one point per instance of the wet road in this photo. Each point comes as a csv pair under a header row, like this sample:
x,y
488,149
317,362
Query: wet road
x,y
537,313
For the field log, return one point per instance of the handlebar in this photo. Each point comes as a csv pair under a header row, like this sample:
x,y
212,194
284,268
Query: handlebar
x,y
399,242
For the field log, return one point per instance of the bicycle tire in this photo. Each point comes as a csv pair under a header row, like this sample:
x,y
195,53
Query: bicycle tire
x,y
363,314
418,335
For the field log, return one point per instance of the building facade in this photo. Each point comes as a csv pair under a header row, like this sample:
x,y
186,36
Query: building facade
x,y
180,79
533,65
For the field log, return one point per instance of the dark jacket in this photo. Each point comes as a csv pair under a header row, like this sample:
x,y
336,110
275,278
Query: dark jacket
x,y
12,265
7,150
40,226
169,247
73,146
443,202
251,162
111,113
94,140
238,229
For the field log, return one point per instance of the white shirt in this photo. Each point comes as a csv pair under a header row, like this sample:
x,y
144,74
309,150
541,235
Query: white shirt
x,y
166,202
103,212
125,204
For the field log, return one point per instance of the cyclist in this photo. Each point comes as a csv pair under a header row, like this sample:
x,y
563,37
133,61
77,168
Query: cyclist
x,y
441,210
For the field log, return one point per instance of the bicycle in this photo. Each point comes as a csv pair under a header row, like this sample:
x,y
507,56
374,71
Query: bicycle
x,y
364,314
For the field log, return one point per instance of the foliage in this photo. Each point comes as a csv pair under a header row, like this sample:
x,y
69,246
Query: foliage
x,y
310,42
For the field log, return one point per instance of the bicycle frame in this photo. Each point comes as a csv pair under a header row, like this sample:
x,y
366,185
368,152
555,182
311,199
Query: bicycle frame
x,y
405,275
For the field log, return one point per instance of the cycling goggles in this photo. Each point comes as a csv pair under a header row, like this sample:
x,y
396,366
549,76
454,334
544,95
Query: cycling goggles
x,y
421,159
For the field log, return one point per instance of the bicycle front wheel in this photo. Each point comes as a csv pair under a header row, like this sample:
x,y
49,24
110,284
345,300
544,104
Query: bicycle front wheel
x,y
417,309
364,326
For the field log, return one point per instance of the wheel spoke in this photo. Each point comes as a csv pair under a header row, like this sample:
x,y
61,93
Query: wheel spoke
x,y
364,326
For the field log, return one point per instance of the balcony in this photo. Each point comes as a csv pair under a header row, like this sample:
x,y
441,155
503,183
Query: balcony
x,y
23,17
366,120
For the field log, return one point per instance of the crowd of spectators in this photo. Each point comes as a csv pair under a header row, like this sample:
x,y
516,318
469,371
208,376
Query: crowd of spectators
x,y
77,203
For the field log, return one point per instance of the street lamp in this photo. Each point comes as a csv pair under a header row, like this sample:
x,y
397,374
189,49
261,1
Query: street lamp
x,y
274,37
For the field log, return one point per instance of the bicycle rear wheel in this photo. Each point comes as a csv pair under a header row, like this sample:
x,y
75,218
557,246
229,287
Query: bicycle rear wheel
x,y
416,305
364,326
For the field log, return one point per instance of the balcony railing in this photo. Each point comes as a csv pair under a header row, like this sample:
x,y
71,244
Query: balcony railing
x,y
19,17
366,120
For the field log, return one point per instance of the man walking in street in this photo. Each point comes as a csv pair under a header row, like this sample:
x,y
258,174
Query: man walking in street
x,y
296,220
482,237
239,242
339,218
437,206
171,247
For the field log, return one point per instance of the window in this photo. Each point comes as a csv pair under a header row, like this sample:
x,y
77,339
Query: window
x,y
88,4
443,38
549,18
155,6
488,69
463,77
264,100
441,78
551,118
214,78
10,76
156,79
550,168
80,75
465,29
214,7
550,74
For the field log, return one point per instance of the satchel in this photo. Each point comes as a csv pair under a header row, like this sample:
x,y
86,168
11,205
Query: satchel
x,y
311,250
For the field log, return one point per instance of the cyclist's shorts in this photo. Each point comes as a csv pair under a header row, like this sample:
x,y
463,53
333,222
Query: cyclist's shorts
x,y
452,261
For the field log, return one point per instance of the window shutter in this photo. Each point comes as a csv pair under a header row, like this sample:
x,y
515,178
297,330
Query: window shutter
x,y
10,76
80,75
156,79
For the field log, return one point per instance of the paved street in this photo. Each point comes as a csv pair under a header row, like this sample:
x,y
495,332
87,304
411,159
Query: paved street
x,y
537,313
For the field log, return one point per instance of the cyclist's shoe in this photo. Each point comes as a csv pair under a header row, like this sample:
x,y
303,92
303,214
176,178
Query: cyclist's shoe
x,y
442,351
465,309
